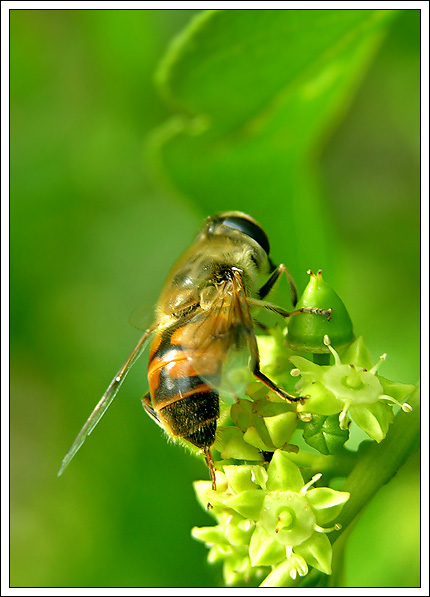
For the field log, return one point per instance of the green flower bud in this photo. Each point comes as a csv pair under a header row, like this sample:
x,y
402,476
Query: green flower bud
x,y
237,570
306,331
210,535
251,436
245,477
238,532
242,414
324,434
232,445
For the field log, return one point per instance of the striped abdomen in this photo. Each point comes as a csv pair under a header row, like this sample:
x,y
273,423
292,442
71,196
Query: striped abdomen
x,y
184,404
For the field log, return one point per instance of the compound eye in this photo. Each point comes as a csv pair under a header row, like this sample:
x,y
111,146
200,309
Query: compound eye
x,y
250,228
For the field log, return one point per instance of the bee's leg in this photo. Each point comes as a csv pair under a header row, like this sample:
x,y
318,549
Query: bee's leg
x,y
255,356
149,409
270,384
210,462
324,312
267,287
283,313
262,326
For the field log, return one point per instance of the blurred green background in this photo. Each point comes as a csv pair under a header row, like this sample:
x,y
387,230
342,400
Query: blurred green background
x,y
96,221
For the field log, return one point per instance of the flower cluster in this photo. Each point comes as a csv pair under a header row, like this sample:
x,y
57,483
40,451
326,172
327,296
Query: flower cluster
x,y
350,388
270,522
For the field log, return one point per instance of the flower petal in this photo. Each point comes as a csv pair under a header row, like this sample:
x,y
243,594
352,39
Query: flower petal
x,y
357,354
283,474
317,552
264,550
281,427
248,503
246,476
326,503
374,419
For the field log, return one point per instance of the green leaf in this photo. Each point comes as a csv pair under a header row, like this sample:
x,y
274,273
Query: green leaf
x,y
254,91
378,463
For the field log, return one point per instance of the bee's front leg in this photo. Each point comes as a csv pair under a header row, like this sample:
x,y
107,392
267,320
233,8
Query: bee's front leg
x,y
267,287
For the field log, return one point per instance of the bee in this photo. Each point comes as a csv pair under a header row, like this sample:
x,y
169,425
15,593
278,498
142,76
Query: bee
x,y
204,332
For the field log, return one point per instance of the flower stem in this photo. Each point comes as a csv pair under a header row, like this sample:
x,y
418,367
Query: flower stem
x,y
337,465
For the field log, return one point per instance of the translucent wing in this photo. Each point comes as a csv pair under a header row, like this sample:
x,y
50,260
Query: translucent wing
x,y
219,340
106,400
141,317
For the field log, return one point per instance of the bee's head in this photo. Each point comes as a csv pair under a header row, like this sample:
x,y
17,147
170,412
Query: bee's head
x,y
230,223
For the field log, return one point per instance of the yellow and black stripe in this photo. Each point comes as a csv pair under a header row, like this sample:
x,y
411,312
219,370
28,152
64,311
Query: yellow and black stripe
x,y
185,405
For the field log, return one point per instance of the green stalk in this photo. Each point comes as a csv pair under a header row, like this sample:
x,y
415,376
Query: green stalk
x,y
336,465
378,463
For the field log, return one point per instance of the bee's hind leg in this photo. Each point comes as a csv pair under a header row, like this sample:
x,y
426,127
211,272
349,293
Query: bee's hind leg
x,y
210,462
276,273
150,410
271,385
264,379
